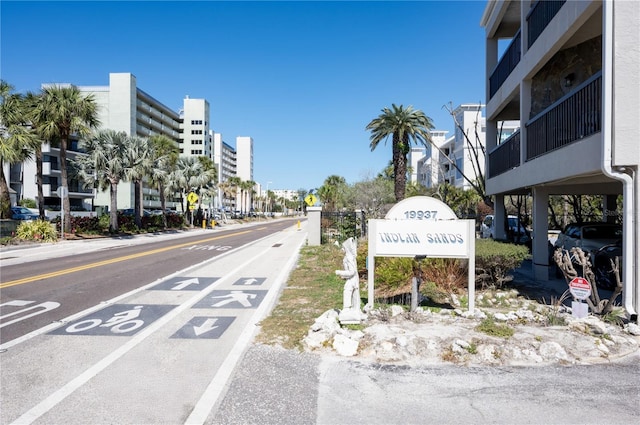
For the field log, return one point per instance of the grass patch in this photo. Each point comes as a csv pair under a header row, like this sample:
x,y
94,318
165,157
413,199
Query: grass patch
x,y
490,327
312,289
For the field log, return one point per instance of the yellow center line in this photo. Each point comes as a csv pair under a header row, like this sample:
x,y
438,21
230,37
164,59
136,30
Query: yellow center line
x,y
110,261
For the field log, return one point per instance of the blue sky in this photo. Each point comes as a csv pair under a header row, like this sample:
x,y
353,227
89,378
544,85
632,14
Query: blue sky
x,y
302,78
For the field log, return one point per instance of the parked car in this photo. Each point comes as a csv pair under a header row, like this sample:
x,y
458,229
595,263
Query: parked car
x,y
516,230
600,241
22,213
131,211
589,237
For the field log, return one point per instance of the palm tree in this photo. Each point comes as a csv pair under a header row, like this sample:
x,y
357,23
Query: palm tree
x,y
30,101
404,125
331,193
63,111
139,163
246,187
105,165
165,155
235,183
17,140
227,189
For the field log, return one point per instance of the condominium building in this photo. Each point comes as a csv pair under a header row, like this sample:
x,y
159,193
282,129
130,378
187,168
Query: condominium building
x,y
123,106
567,70
244,167
459,159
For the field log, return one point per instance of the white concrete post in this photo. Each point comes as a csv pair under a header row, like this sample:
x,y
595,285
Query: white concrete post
x,y
314,214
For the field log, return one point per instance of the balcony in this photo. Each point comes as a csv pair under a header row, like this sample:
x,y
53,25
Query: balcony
x,y
539,17
574,117
507,64
505,156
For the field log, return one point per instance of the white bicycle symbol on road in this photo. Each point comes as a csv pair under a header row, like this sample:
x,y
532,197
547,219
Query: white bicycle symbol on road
x,y
120,323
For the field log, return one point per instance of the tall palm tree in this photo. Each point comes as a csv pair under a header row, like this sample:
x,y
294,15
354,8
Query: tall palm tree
x,y
405,125
246,188
235,183
227,189
30,101
17,140
63,111
139,163
165,155
104,165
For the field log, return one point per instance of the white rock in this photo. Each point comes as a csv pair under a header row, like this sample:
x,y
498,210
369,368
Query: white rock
x,y
501,317
396,310
552,351
632,328
345,346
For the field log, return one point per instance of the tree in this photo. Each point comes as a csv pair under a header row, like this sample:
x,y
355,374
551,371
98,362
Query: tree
x,y
164,154
105,165
138,163
17,140
245,190
234,185
62,111
404,125
331,193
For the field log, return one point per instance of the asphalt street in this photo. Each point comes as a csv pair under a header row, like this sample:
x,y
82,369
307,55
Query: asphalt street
x,y
195,363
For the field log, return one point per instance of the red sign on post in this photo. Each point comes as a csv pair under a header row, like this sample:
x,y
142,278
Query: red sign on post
x,y
580,288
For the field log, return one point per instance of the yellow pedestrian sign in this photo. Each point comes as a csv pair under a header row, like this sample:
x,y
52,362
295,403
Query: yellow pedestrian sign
x,y
192,197
311,199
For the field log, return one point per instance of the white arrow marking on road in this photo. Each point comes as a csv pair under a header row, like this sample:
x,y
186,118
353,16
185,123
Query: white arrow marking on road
x,y
207,326
183,284
45,306
250,281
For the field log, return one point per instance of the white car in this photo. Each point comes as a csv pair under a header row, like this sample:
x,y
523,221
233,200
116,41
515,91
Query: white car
x,y
488,229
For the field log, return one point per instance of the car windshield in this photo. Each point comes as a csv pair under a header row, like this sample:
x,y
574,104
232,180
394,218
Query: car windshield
x,y
21,210
601,232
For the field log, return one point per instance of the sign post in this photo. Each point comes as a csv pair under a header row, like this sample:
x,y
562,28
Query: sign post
x,y
62,191
580,288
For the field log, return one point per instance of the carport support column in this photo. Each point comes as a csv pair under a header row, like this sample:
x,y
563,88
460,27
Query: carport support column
x,y
314,214
500,218
540,243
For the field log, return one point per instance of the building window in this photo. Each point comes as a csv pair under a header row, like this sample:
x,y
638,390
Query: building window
x,y
196,131
196,122
460,166
196,151
196,142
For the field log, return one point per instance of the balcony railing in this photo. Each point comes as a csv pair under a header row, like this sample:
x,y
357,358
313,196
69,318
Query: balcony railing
x,y
507,64
505,156
539,17
573,117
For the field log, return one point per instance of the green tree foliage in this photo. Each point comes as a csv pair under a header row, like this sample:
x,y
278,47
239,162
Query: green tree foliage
x,y
404,125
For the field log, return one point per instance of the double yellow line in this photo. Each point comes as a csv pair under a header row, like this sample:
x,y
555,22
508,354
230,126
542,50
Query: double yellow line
x,y
110,261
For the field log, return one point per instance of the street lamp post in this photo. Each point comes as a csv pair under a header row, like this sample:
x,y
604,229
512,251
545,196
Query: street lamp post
x,y
267,208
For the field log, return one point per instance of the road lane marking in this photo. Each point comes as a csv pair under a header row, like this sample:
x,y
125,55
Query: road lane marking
x,y
106,262
58,396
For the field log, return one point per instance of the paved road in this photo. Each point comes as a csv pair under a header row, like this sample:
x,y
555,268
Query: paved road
x,y
160,354
164,374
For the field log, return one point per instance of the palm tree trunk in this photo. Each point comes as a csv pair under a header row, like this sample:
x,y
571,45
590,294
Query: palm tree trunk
x,y
39,182
163,205
137,203
113,209
5,199
66,205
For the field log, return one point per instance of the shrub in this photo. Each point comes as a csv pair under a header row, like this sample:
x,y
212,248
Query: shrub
x,y
36,230
493,261
28,203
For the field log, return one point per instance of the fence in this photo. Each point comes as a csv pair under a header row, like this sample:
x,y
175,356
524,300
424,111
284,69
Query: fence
x,y
339,226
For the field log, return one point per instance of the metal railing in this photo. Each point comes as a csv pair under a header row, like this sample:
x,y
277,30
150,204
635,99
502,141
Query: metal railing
x,y
541,13
505,156
507,64
573,117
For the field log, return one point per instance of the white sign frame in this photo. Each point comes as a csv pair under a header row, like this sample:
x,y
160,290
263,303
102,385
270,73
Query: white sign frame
x,y
423,238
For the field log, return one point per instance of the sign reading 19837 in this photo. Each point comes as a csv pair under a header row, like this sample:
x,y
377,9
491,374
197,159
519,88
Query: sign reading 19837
x,y
420,208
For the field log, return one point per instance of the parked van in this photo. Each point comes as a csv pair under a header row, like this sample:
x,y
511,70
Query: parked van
x,y
516,229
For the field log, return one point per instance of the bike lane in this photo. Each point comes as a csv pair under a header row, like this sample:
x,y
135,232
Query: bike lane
x,y
160,355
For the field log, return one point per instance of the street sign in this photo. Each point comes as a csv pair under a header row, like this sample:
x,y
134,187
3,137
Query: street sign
x,y
61,191
192,197
310,199
580,288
